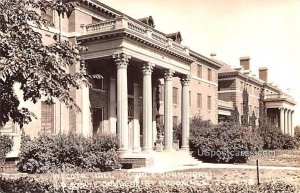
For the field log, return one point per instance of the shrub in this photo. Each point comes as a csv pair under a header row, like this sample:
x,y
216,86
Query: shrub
x,y
197,127
226,142
289,142
6,145
273,138
69,153
31,185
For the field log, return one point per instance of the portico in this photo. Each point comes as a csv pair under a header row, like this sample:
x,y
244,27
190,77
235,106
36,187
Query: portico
x,y
280,112
134,57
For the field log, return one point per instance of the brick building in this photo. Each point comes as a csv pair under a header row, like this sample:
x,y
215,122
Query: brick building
x,y
232,82
147,75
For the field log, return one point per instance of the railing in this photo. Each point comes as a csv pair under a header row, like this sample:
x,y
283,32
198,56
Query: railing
x,y
225,104
136,27
107,25
279,96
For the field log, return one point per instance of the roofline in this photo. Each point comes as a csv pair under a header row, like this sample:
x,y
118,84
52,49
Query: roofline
x,y
204,58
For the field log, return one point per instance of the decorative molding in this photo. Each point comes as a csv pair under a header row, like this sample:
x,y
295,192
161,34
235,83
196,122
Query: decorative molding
x,y
203,80
169,74
121,59
185,80
148,68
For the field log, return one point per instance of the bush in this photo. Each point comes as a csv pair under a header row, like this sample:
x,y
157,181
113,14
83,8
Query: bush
x,y
69,153
226,143
197,127
6,145
273,138
32,186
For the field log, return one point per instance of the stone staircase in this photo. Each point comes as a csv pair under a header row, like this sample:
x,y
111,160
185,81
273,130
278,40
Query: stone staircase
x,y
169,161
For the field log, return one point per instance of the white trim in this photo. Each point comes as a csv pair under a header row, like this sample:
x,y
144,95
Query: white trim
x,y
229,91
203,80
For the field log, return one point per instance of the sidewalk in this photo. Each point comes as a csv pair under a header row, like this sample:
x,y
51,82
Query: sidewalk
x,y
180,160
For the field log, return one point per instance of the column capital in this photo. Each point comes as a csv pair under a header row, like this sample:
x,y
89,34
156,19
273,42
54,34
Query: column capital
x,y
148,68
121,59
169,74
185,80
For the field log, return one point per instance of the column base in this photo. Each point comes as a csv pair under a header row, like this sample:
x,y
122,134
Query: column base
x,y
136,150
185,148
147,150
169,149
124,151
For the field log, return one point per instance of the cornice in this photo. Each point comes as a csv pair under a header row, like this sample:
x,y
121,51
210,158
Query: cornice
x,y
125,33
205,59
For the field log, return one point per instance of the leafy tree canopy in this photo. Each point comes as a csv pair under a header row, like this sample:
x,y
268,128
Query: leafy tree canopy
x,y
38,69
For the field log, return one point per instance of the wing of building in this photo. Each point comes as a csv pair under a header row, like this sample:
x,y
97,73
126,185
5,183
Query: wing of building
x,y
147,76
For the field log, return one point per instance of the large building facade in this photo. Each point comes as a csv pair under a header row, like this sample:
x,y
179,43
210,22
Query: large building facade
x,y
232,83
148,76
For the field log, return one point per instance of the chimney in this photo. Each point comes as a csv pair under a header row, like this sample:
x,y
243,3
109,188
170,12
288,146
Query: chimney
x,y
263,74
245,62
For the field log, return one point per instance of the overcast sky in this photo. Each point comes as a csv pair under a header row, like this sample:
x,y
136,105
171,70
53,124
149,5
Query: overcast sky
x,y
266,30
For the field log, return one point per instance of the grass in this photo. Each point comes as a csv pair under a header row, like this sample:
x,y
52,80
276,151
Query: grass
x,y
282,158
250,176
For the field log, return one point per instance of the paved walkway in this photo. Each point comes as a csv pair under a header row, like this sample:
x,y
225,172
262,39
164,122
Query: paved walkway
x,y
180,160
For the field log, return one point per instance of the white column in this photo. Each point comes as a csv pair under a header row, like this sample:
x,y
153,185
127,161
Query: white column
x,y
147,107
285,121
154,130
168,107
185,82
121,60
136,117
282,119
288,122
85,112
112,106
292,126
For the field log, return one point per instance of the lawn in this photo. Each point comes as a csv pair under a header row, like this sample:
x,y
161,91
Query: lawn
x,y
284,158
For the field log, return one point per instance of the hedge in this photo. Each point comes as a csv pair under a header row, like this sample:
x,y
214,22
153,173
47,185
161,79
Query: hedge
x,y
225,143
30,185
50,153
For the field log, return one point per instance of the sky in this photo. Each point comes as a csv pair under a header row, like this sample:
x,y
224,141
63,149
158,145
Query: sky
x,y
268,31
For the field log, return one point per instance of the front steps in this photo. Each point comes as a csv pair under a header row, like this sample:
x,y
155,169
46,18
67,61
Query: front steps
x,y
159,161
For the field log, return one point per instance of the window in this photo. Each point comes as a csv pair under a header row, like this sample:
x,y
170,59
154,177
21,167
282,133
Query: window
x,y
209,75
190,98
48,15
209,102
175,95
199,100
98,117
47,118
199,71
175,119
99,84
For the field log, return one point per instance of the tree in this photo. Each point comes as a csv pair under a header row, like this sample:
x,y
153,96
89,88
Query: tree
x,y
262,111
245,116
235,116
26,64
252,120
